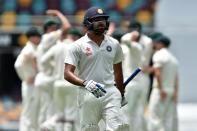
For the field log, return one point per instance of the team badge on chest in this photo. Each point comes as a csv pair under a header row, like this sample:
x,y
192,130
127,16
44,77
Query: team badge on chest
x,y
88,51
109,48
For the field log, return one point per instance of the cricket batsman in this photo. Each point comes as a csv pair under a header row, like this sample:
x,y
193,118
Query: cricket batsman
x,y
98,58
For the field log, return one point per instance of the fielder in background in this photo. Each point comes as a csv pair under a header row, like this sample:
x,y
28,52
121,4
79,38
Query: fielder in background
x,y
44,82
64,93
26,69
98,58
163,100
137,49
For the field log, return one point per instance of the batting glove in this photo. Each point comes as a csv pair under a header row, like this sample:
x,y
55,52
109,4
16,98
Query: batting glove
x,y
95,88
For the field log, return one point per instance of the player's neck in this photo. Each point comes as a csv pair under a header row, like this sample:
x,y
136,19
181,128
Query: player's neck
x,y
96,38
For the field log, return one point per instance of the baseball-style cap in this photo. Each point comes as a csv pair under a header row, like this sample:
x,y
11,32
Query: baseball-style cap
x,y
50,21
164,40
33,31
155,35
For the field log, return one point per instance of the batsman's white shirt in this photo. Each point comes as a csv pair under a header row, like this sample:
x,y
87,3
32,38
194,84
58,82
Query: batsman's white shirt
x,y
94,62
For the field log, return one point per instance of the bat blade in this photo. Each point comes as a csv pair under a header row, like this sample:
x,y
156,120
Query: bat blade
x,y
132,76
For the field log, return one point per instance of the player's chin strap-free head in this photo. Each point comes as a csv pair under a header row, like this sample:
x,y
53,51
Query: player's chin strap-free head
x,y
96,20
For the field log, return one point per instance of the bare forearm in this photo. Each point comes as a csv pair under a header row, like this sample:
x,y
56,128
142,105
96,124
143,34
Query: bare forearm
x,y
157,73
70,76
119,77
66,24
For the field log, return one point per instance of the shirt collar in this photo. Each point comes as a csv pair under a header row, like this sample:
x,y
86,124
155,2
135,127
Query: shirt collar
x,y
87,39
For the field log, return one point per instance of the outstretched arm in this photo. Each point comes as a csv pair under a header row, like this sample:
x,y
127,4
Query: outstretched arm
x,y
65,23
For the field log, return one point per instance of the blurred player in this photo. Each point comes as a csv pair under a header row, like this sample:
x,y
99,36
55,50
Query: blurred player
x,y
153,36
98,59
163,101
137,49
25,66
65,94
44,81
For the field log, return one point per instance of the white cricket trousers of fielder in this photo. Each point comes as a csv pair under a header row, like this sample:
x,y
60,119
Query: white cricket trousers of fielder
x,y
45,86
65,100
108,108
30,106
163,114
136,95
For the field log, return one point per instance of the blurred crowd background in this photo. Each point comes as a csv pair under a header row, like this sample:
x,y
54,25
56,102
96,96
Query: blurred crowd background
x,y
176,18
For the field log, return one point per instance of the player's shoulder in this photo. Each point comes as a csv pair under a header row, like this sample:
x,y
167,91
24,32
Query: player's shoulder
x,y
111,39
146,39
28,48
76,44
161,54
126,37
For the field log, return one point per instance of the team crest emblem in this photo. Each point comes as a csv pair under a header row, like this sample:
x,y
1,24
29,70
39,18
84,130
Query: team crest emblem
x,y
88,51
100,11
108,48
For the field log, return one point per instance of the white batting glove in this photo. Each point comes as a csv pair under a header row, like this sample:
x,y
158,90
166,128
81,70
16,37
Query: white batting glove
x,y
95,88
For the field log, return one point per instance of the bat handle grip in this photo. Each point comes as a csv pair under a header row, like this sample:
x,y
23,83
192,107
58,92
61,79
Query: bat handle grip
x,y
132,76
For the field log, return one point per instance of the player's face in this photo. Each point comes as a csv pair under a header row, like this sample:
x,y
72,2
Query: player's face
x,y
157,45
99,24
52,28
35,39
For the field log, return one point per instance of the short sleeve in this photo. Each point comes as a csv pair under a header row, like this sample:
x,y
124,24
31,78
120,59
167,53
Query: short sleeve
x,y
159,59
72,54
119,55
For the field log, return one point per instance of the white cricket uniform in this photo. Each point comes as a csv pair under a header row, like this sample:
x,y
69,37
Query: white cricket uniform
x,y
136,55
163,114
26,70
96,63
65,94
44,81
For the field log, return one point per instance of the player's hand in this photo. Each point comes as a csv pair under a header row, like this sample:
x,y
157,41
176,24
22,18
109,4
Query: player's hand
x,y
95,88
163,95
52,12
31,80
123,101
135,36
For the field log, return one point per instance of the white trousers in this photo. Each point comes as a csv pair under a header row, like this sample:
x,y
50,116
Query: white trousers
x,y
30,106
44,84
93,109
163,114
65,101
136,95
